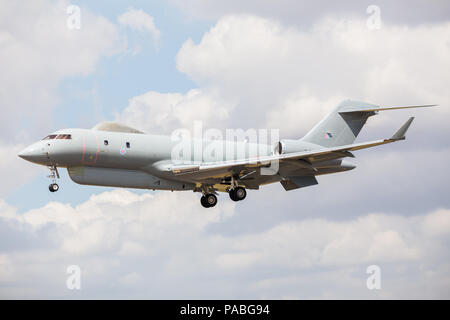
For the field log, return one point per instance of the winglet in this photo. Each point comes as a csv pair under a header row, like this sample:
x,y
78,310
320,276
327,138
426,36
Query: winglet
x,y
400,134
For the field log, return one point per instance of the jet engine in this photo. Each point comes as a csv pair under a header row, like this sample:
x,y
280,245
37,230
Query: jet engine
x,y
288,146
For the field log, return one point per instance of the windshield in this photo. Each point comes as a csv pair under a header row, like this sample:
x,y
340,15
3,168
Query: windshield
x,y
49,137
58,136
64,136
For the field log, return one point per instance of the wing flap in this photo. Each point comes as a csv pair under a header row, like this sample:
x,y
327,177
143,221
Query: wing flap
x,y
295,182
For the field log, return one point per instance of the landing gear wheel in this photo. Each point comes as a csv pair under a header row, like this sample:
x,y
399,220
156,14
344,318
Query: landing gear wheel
x,y
211,199
53,187
203,202
240,193
237,194
232,195
208,200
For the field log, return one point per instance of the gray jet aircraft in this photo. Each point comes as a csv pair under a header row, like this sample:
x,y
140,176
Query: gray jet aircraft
x,y
115,155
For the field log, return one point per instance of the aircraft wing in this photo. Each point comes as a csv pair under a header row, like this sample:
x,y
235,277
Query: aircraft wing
x,y
264,161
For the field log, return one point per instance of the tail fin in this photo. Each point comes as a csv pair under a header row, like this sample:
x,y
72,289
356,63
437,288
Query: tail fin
x,y
338,129
342,125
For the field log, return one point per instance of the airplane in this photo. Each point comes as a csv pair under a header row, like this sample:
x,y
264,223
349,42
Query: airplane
x,y
115,155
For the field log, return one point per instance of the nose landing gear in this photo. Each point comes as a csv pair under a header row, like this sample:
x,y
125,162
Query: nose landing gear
x,y
53,187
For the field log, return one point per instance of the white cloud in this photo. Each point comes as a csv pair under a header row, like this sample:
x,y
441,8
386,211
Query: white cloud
x,y
266,65
265,74
146,244
437,223
131,279
156,112
13,170
254,72
304,13
137,19
38,50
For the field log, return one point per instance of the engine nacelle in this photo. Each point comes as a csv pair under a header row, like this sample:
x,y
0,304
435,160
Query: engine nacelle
x,y
289,146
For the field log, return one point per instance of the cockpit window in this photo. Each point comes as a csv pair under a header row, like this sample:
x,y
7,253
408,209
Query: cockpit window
x,y
49,137
64,136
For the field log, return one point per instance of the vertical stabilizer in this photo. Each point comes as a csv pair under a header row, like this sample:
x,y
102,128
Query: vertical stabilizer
x,y
338,129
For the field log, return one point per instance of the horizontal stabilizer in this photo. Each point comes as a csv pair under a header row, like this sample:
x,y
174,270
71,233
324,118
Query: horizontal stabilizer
x,y
374,109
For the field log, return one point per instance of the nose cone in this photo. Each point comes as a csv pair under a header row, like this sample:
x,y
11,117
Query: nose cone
x,y
25,154
33,154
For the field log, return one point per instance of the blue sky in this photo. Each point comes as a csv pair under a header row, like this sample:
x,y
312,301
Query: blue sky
x,y
120,77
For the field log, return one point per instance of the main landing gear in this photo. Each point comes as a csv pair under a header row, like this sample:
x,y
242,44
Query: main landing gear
x,y
208,200
53,187
237,194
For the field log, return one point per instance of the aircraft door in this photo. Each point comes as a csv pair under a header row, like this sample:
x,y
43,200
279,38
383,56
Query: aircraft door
x,y
90,152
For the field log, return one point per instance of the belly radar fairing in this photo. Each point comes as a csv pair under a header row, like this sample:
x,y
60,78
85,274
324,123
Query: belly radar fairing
x,y
115,155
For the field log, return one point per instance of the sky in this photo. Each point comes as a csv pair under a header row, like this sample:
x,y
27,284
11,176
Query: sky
x,y
162,65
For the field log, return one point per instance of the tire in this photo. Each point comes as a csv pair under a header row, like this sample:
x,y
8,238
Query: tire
x,y
240,193
237,194
53,187
232,195
204,202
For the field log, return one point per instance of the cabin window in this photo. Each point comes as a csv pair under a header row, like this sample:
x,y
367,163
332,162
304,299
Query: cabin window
x,y
49,137
105,142
128,145
64,136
